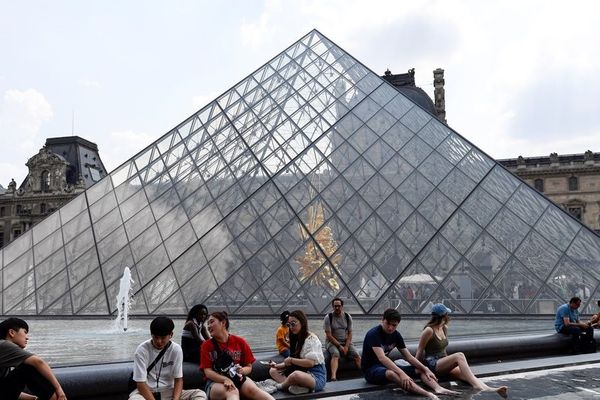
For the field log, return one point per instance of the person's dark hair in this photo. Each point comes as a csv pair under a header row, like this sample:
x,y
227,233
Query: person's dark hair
x,y
284,317
297,341
14,324
337,299
162,326
575,300
195,310
221,316
437,320
392,315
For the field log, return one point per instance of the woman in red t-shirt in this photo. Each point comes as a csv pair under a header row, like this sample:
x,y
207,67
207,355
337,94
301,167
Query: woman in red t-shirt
x,y
234,362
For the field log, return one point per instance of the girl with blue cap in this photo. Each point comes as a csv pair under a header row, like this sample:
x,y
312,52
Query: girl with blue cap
x,y
432,352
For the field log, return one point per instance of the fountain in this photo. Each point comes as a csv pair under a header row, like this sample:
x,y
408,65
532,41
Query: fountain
x,y
124,298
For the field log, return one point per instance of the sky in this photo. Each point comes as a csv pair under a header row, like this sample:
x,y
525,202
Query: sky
x,y
522,77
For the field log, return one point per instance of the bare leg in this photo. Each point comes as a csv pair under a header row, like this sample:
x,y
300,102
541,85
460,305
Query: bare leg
x,y
457,367
334,367
277,375
299,378
408,384
250,391
433,384
219,392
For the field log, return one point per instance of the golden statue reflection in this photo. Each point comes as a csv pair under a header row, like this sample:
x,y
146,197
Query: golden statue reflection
x,y
313,258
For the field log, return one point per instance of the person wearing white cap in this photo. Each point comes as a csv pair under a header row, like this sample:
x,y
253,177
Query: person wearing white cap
x,y
432,352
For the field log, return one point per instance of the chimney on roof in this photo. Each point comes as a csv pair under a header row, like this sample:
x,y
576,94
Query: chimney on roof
x,y
439,94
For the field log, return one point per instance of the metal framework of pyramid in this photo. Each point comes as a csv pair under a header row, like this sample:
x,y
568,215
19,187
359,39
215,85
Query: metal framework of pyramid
x,y
311,178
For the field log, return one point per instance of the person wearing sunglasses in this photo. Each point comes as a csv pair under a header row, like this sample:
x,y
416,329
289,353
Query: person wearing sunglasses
x,y
304,371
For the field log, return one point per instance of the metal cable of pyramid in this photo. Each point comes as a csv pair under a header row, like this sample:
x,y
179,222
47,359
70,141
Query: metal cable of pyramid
x,y
311,178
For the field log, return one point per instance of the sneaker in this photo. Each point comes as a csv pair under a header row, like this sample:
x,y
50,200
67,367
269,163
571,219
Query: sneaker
x,y
294,389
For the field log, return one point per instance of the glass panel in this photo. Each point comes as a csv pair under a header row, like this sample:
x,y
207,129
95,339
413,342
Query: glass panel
x,y
47,246
508,229
45,227
152,265
112,243
103,206
87,291
76,226
434,133
585,251
416,119
395,210
139,223
476,165
180,241
481,206
415,151
454,148
17,268
190,263
378,154
500,183
537,254
49,267
456,186
145,243
398,106
396,170
83,266
415,188
487,256
527,204
72,208
461,231
415,232
557,227
79,245
17,247
98,190
397,136
437,208
435,168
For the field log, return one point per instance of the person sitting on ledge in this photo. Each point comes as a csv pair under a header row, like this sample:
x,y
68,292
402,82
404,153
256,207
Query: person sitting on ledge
x,y
379,369
20,368
158,366
338,331
567,322
432,352
304,371
282,335
226,360
594,322
194,333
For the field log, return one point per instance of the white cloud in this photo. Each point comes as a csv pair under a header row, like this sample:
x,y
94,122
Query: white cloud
x,y
22,114
89,83
201,100
122,145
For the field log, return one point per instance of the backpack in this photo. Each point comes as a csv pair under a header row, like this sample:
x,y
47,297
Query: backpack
x,y
330,315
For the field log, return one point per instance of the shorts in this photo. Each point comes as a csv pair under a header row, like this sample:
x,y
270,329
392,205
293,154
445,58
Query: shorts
x,y
319,373
334,351
285,353
431,362
376,373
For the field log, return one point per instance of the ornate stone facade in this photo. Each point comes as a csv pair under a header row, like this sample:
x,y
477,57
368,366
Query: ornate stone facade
x,y
52,181
571,181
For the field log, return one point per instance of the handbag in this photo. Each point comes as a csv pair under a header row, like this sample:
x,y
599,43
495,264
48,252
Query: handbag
x,y
131,384
224,365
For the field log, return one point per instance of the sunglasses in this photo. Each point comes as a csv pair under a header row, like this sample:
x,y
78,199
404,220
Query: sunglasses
x,y
292,324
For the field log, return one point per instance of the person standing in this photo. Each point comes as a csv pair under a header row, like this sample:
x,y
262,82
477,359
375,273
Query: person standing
x,y
338,332
20,368
567,322
379,369
158,366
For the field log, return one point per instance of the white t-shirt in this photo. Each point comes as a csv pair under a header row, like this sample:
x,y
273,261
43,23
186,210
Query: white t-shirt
x,y
165,371
312,349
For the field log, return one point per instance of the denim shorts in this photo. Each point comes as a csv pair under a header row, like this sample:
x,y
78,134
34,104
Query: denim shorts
x,y
319,373
376,373
431,362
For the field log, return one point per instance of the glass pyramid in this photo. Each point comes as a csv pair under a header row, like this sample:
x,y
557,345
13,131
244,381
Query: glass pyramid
x,y
311,178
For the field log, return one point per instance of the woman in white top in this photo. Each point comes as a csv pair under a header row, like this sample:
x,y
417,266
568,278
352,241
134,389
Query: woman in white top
x,y
194,333
304,371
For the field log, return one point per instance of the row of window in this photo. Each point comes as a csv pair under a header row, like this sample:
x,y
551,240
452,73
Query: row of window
x,y
573,184
24,211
